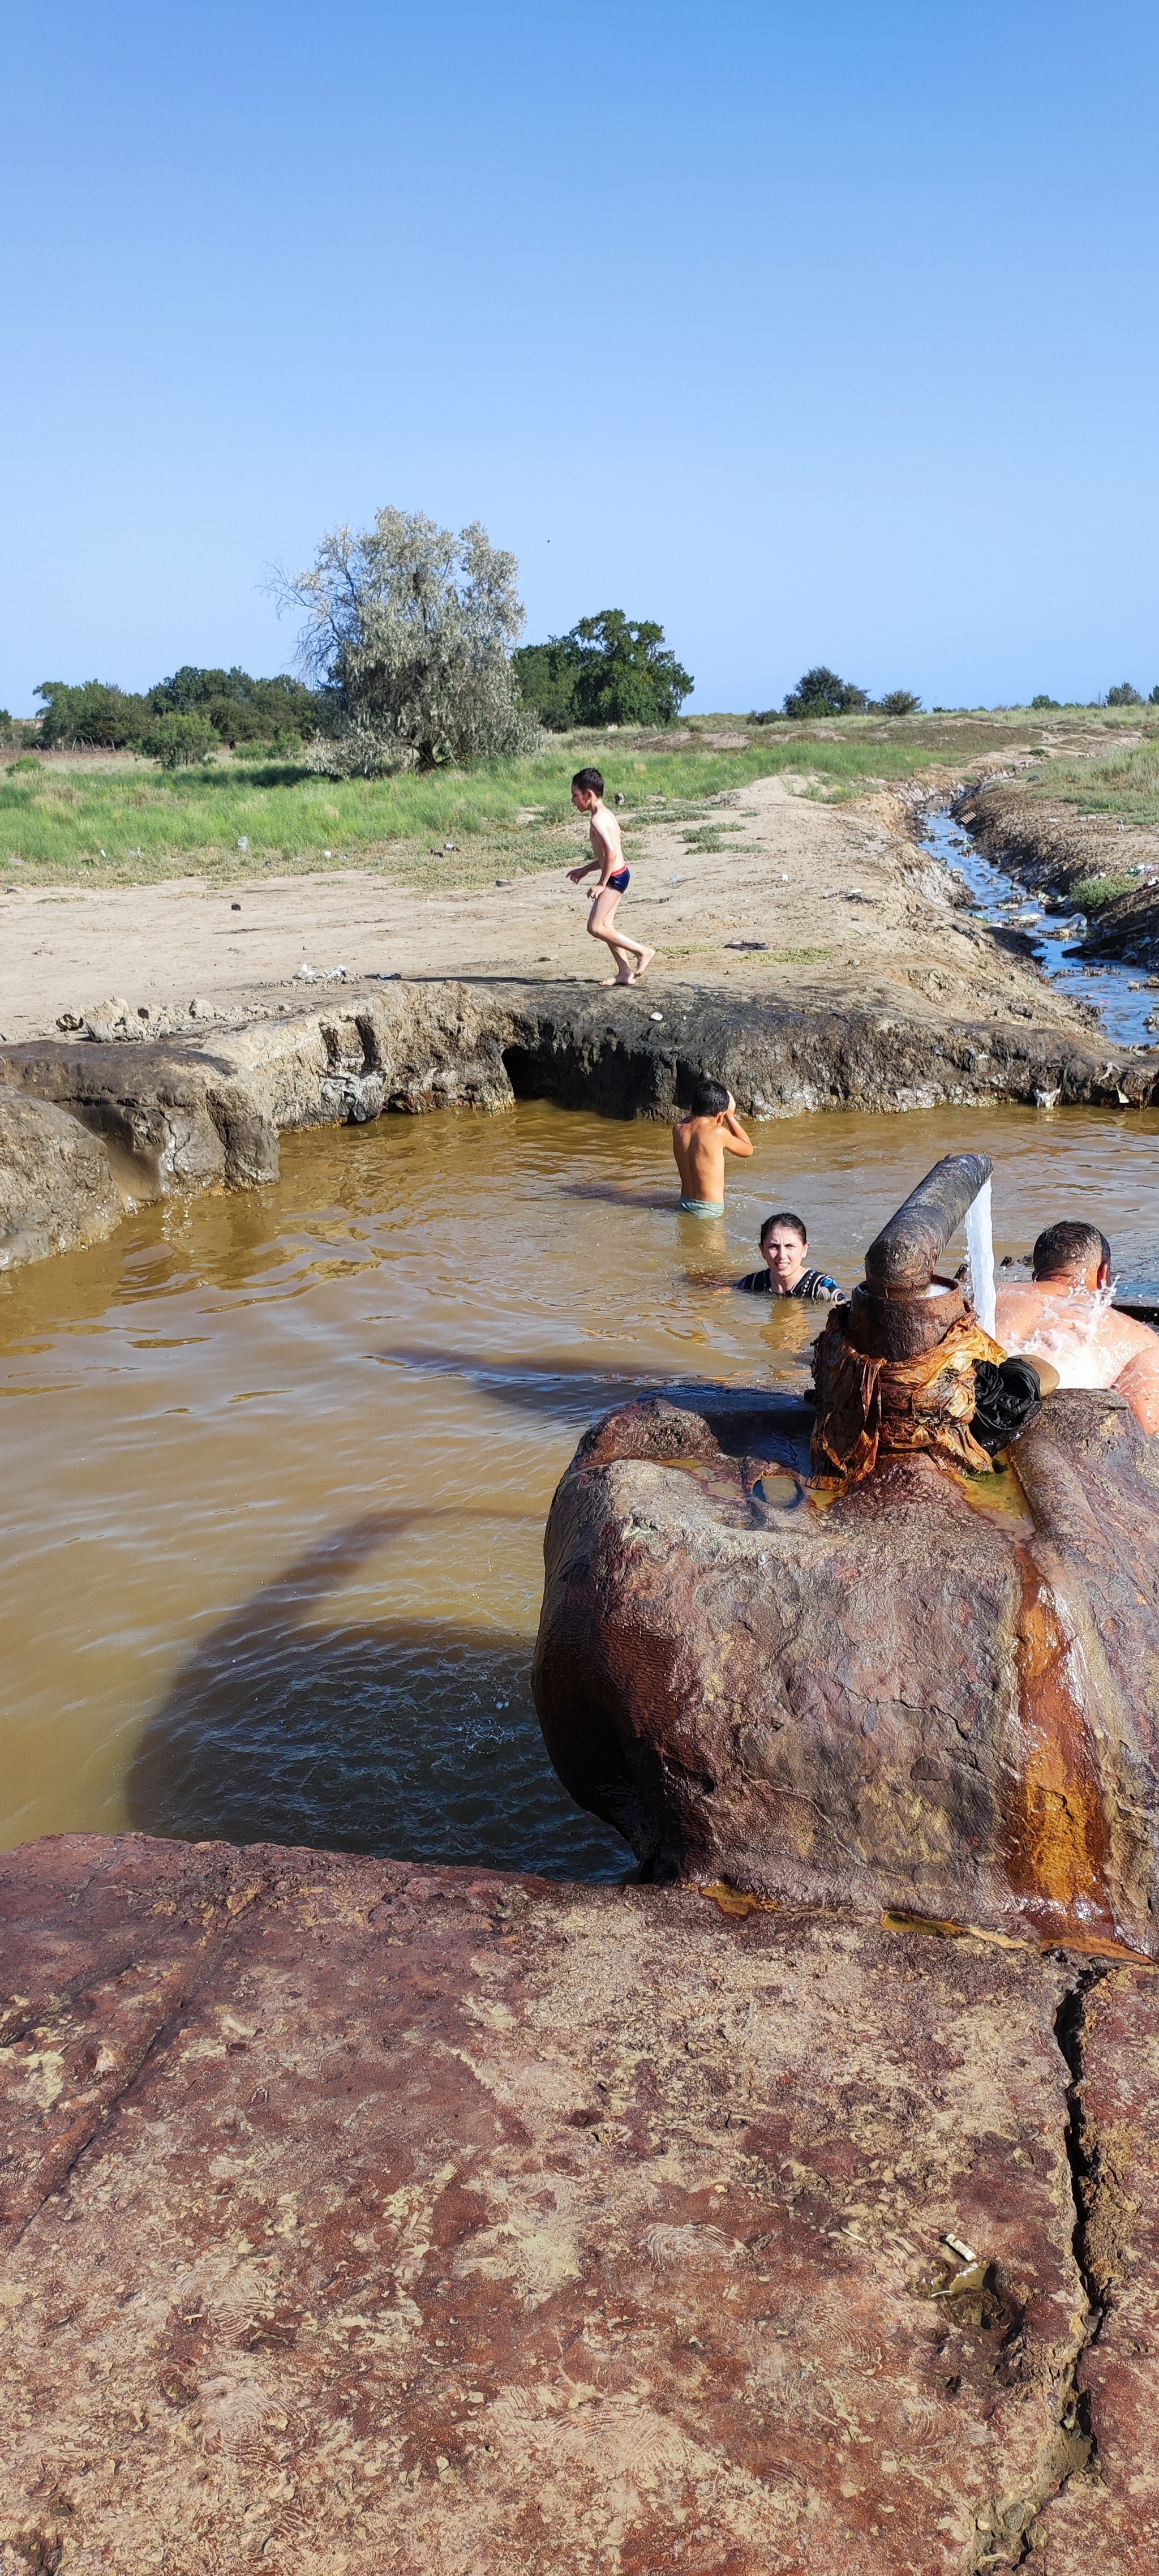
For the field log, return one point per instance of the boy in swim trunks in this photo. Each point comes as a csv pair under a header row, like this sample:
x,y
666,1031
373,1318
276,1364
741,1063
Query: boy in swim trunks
x,y
708,1131
587,795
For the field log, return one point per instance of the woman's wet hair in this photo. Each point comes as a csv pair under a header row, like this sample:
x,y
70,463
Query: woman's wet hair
x,y
1068,1247
589,778
708,1099
785,1217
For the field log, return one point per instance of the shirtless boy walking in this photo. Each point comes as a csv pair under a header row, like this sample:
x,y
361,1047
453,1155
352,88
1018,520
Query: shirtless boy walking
x,y
587,795
700,1141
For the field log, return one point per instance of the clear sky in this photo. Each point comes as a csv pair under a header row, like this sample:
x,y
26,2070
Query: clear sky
x,y
818,334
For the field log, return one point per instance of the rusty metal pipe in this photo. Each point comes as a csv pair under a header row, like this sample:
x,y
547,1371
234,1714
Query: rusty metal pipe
x,y
902,1256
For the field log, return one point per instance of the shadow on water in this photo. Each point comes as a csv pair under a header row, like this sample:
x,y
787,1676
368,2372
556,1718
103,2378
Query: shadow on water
x,y
565,1391
416,1738
621,1194
575,1396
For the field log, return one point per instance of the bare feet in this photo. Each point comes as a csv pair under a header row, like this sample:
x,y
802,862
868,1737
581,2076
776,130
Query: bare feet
x,y
617,979
643,966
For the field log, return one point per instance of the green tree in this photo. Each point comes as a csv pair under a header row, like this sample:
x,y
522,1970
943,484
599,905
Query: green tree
x,y
625,674
181,741
1124,696
409,629
545,676
610,670
897,702
822,692
1043,704
92,712
240,708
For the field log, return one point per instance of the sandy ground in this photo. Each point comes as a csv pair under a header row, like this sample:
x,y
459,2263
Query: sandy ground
x,y
848,906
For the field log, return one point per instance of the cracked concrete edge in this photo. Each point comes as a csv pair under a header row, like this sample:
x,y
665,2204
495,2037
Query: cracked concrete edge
x,y
1072,2455
156,2008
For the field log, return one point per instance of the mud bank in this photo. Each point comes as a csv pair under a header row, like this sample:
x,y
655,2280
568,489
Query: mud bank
x,y
356,2214
125,1122
1057,848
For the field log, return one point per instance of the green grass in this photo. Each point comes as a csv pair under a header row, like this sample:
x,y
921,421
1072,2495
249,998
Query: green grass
x,y
1090,892
122,822
1124,784
129,825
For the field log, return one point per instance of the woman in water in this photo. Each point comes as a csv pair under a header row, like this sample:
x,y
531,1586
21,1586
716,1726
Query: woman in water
x,y
784,1247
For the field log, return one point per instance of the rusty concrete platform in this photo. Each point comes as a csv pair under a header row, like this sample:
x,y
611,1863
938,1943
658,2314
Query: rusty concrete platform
x,y
366,2218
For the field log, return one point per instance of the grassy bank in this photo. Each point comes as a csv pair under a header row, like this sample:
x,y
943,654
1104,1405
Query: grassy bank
x,y
1123,784
113,819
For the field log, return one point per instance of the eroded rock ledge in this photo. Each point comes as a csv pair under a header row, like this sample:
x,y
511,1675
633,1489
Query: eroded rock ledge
x,y
121,1123
362,2216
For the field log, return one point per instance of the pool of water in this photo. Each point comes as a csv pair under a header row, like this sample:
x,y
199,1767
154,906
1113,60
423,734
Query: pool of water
x,y
277,1465
1123,999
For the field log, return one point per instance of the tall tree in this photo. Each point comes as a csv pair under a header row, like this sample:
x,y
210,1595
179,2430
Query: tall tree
x,y
409,629
610,669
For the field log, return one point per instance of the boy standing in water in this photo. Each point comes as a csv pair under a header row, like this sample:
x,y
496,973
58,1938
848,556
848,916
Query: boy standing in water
x,y
709,1130
587,795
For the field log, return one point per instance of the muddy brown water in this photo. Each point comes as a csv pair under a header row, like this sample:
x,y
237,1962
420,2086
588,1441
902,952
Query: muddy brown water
x,y
277,1465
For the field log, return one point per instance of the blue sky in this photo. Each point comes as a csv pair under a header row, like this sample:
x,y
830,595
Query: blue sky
x,y
815,334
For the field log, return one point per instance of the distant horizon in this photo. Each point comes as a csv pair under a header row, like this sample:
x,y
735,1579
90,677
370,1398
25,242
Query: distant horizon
x,y
762,326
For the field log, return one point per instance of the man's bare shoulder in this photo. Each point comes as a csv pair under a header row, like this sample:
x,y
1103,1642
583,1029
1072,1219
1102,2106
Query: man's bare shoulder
x,y
1141,1340
1021,1298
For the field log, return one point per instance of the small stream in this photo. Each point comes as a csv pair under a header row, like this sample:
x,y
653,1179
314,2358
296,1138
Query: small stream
x,y
1121,994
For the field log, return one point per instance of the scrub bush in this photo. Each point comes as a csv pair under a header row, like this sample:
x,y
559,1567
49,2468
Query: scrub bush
x,y
899,702
180,742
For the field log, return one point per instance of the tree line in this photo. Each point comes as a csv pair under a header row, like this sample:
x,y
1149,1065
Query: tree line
x,y
183,718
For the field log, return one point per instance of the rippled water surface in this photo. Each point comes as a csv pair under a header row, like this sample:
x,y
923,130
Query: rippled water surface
x,y
277,1465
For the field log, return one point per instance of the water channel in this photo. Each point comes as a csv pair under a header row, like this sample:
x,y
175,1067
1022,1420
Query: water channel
x,y
1122,995
277,1465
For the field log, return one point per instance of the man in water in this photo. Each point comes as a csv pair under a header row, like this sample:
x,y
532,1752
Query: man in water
x,y
784,1247
587,795
1064,1315
709,1130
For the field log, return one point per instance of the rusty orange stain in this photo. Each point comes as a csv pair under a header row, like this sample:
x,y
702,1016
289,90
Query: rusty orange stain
x,y
1057,1842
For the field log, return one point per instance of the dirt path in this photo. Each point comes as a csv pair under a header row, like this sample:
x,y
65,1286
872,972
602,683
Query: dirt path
x,y
847,906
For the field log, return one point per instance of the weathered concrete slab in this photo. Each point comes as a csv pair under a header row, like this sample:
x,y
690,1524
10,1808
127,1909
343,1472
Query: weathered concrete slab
x,y
364,2217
